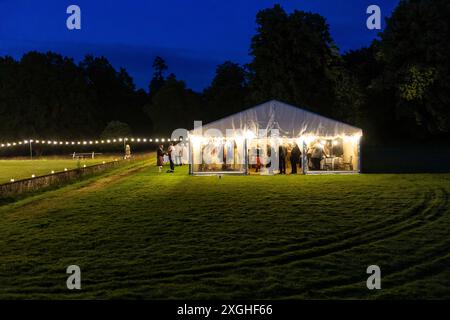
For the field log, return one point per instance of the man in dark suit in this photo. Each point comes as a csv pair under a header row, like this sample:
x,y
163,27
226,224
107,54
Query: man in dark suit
x,y
282,159
295,158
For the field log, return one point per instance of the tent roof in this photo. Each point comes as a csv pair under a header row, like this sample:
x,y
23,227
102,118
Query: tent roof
x,y
289,120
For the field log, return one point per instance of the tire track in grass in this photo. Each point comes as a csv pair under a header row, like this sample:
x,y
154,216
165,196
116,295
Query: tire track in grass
x,y
432,264
279,251
379,226
413,268
375,234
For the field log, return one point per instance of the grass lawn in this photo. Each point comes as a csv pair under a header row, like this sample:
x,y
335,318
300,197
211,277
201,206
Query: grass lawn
x,y
137,233
22,169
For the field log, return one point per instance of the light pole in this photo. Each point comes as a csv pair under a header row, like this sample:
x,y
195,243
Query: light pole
x,y
31,149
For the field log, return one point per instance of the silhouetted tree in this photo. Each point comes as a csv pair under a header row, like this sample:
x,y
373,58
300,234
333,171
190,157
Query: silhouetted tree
x,y
415,50
174,106
293,56
228,91
159,68
44,95
115,94
116,129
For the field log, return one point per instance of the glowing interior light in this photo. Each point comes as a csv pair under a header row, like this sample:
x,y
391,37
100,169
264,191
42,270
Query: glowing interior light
x,y
65,169
33,176
84,166
156,140
84,142
132,140
150,140
20,142
163,140
12,180
335,143
120,139
114,140
250,135
108,141
53,172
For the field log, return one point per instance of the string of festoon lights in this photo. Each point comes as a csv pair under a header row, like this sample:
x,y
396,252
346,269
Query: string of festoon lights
x,y
91,142
85,142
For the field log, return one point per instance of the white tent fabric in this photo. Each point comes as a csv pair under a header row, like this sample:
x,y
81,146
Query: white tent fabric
x,y
289,120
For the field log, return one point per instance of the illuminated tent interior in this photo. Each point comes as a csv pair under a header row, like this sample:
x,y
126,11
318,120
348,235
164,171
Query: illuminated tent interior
x,y
245,143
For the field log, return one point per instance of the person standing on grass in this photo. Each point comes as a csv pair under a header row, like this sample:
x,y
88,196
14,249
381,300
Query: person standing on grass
x,y
282,159
295,158
171,154
160,157
127,152
178,152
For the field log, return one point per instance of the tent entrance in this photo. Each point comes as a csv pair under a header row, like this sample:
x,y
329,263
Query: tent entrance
x,y
287,155
305,156
332,155
316,155
218,156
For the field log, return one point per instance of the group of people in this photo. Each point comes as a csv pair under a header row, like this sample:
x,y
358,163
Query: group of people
x,y
291,152
286,152
175,154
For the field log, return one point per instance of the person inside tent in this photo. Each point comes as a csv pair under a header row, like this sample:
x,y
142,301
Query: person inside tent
x,y
282,159
295,158
317,154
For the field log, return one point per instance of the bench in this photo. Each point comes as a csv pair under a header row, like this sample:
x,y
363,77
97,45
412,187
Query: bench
x,y
91,155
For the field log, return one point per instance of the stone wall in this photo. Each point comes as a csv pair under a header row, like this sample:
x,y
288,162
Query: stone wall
x,y
12,189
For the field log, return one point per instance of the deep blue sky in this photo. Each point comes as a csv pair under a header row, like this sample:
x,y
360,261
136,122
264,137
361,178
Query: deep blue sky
x,y
192,35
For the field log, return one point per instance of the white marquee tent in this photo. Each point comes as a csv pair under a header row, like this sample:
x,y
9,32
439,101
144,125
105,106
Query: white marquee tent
x,y
293,125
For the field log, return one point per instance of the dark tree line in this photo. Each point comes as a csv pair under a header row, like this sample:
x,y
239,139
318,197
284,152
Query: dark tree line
x,y
48,95
398,88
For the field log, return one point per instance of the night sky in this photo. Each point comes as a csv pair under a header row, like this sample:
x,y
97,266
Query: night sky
x,y
194,36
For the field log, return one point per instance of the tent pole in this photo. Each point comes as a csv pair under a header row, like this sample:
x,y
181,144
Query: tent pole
x,y
304,158
359,156
191,156
246,156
